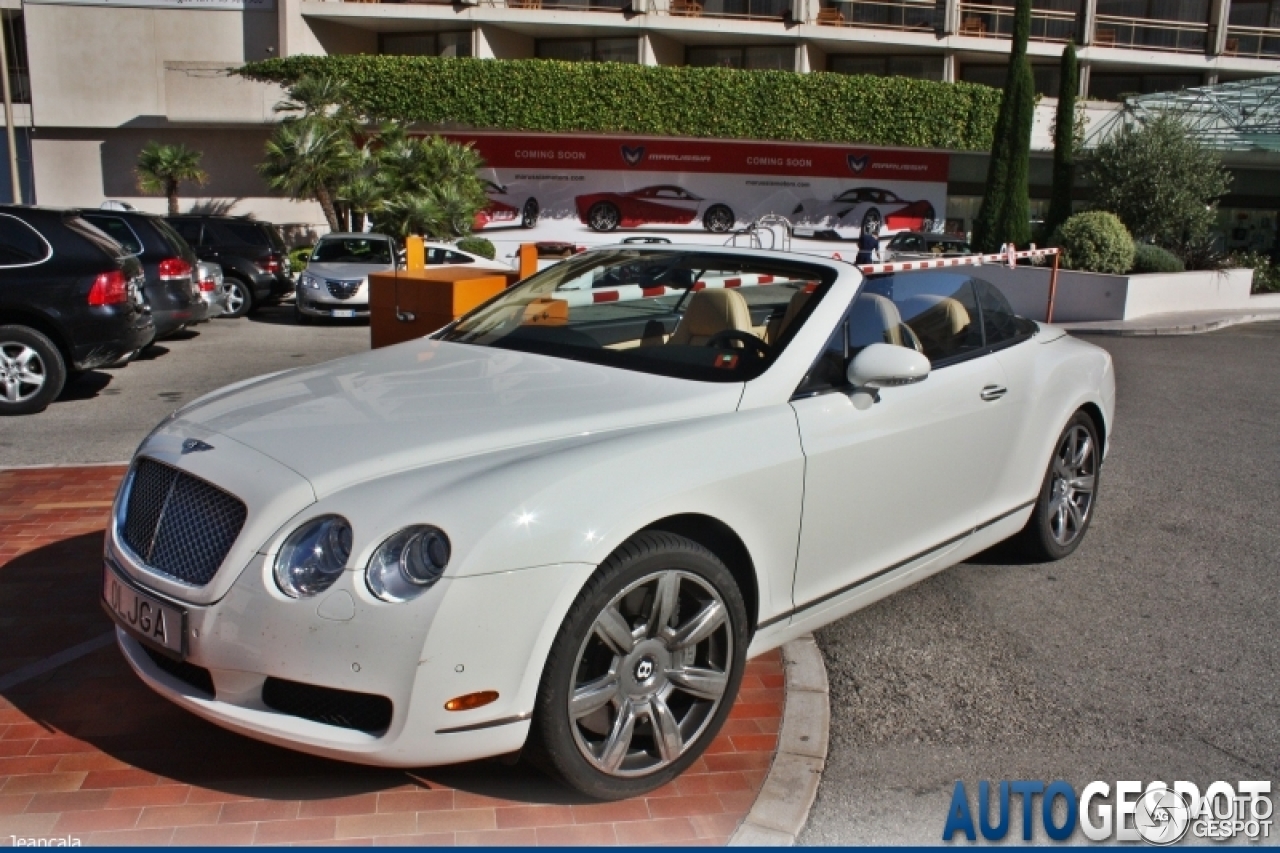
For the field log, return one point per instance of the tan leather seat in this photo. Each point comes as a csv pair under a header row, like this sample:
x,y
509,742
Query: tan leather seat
x,y
874,320
709,313
775,327
940,322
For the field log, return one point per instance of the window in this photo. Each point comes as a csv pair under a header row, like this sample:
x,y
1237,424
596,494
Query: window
x,y
916,67
352,250
764,58
15,42
999,324
20,244
590,50
447,256
1105,86
189,230
117,229
1046,77
456,43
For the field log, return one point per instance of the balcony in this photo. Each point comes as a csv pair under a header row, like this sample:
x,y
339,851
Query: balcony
x,y
1255,42
982,21
747,10
901,15
1148,34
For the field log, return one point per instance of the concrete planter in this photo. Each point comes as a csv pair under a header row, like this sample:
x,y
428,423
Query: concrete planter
x,y
1085,297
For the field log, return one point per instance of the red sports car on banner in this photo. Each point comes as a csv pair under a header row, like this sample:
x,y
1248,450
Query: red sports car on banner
x,y
664,204
507,208
865,208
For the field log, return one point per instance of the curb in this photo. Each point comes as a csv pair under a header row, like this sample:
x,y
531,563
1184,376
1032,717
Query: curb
x,y
1189,329
782,807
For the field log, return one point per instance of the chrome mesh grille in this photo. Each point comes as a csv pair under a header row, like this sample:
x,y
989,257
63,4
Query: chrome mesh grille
x,y
342,289
178,524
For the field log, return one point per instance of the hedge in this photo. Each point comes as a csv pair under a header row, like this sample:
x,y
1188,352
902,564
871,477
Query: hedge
x,y
608,97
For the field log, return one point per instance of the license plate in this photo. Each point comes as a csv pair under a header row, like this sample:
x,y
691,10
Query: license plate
x,y
147,618
343,312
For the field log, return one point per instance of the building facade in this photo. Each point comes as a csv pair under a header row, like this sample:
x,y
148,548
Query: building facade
x,y
96,79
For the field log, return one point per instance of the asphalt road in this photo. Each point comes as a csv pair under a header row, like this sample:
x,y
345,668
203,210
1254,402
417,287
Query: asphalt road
x,y
1149,654
105,414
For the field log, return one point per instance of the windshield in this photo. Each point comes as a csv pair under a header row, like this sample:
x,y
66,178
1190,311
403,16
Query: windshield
x,y
352,250
695,315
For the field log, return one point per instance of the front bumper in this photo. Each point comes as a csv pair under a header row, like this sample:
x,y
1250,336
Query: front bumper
x,y
464,635
313,308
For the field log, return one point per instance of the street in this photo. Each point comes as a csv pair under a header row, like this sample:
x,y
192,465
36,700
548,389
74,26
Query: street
x,y
1149,654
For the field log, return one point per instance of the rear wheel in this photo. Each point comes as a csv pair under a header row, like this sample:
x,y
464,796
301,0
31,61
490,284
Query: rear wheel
x,y
872,222
718,219
604,216
239,297
32,371
1067,495
644,669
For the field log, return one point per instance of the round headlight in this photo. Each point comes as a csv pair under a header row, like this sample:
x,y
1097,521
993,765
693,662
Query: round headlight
x,y
313,556
310,281
408,563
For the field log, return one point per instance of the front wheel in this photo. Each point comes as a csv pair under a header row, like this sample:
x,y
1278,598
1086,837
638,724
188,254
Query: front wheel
x,y
872,222
1070,488
529,215
718,219
644,669
32,371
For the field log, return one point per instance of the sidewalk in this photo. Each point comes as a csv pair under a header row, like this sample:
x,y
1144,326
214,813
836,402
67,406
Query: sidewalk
x,y
1262,308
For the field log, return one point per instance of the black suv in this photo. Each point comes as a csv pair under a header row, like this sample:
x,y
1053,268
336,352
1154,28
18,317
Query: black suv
x,y
70,299
254,259
167,261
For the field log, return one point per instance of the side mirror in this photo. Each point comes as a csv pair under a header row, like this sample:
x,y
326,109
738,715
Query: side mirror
x,y
885,365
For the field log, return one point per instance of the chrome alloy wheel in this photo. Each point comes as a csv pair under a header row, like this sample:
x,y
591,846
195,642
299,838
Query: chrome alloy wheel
x,y
650,674
1075,471
22,372
235,297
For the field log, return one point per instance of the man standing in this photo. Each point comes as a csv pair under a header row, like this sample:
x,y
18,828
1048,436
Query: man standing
x,y
868,245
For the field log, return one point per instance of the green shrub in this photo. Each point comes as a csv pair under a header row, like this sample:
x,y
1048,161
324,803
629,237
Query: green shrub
x,y
298,257
610,97
477,246
1148,258
1095,241
1266,273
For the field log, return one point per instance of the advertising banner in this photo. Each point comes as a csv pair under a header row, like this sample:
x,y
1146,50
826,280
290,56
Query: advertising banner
x,y
590,190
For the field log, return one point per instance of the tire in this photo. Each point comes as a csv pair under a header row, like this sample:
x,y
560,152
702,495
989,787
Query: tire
x,y
32,371
300,318
529,215
872,220
718,219
604,216
1068,494
239,297
594,748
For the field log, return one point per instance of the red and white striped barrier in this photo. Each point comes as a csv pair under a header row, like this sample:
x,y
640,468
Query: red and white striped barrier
x,y
628,292
1008,256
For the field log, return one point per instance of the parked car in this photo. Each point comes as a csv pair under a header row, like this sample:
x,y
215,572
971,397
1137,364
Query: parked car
x,y
252,254
507,207
915,245
562,523
336,280
213,290
664,204
167,262
860,209
70,300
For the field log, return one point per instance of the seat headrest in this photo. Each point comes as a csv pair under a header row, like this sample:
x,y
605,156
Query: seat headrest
x,y
874,320
713,311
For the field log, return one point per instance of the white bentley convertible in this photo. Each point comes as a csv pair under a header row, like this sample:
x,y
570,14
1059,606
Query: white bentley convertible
x,y
563,523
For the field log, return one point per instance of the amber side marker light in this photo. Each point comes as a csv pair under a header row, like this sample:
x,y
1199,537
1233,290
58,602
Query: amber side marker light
x,y
471,700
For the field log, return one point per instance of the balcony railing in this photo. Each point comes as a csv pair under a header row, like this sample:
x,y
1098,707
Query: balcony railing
x,y
902,15
757,10
1176,36
982,21
1258,42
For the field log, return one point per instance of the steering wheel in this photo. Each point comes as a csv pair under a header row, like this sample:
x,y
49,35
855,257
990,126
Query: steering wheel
x,y
722,339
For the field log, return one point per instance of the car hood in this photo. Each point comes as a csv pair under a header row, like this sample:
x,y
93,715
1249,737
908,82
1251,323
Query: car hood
x,y
347,272
428,401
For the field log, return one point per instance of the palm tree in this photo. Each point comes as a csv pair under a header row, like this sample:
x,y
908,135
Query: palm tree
x,y
162,167
307,158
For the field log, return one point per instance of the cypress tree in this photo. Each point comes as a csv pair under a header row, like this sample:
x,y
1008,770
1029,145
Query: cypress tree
x,y
1005,198
1064,154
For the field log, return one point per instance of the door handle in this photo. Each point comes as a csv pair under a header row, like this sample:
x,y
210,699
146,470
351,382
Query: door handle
x,y
991,393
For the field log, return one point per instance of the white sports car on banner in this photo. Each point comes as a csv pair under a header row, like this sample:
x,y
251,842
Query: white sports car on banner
x,y
563,523
865,209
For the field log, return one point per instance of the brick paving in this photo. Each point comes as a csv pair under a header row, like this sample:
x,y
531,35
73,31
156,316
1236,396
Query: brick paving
x,y
86,750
